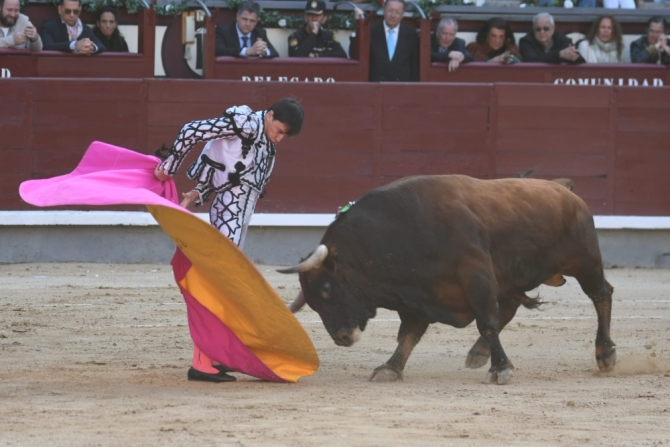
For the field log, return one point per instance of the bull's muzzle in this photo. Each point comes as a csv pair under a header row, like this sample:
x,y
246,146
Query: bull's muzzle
x,y
347,337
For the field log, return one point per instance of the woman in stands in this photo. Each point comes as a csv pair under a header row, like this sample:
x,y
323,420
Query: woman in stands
x,y
604,42
107,31
495,43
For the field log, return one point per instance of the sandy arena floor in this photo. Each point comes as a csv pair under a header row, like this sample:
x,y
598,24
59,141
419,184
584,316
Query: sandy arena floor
x,y
97,354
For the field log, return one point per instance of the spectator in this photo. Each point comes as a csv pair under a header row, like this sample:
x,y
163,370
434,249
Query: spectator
x,y
106,29
446,47
495,43
603,43
67,33
394,47
545,44
313,40
244,38
652,48
16,31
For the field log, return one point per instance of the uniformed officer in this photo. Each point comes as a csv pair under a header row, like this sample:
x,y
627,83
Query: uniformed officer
x,y
314,40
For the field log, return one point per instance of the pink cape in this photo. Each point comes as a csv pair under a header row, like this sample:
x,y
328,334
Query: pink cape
x,y
234,316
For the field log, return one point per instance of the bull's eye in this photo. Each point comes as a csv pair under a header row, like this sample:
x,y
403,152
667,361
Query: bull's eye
x,y
325,291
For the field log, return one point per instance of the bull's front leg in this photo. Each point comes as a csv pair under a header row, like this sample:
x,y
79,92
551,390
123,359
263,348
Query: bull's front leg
x,y
411,331
481,293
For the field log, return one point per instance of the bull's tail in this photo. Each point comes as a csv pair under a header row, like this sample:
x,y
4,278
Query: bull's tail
x,y
566,182
528,302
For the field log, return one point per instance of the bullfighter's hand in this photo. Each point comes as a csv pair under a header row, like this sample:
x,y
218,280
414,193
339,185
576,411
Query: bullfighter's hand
x,y
189,198
160,174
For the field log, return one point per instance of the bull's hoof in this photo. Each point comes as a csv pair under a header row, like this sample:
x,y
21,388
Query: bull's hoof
x,y
500,377
385,373
476,359
606,362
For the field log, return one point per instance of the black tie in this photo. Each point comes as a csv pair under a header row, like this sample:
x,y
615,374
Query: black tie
x,y
245,41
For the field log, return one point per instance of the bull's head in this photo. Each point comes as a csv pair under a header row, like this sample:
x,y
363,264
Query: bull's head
x,y
326,290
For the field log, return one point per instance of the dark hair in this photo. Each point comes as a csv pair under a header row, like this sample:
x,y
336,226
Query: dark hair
x,y
497,23
289,111
249,6
62,2
617,35
655,19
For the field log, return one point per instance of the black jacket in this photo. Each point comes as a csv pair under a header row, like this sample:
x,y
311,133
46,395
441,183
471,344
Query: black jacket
x,y
532,51
117,44
443,56
405,64
55,37
640,55
228,42
301,43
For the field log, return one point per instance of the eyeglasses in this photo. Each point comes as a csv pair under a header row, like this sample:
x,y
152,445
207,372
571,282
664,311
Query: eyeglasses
x,y
72,12
539,29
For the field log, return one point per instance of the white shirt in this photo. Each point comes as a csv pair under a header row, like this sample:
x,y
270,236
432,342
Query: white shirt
x,y
396,30
5,31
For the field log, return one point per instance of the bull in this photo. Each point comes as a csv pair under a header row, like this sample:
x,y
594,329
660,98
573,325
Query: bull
x,y
453,249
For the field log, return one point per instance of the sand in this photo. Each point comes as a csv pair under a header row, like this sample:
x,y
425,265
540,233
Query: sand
x,y
97,354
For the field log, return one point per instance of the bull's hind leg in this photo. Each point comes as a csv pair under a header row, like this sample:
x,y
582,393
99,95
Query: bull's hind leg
x,y
410,332
481,351
600,291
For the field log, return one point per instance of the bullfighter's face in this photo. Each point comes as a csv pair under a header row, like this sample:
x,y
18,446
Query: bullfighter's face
x,y
343,315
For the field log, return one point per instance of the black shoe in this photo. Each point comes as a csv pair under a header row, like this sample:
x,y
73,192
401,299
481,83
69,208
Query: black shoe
x,y
224,369
199,376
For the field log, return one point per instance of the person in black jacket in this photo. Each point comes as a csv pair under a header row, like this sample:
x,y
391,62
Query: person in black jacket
x,y
652,48
67,33
313,40
107,30
394,47
244,38
545,44
446,47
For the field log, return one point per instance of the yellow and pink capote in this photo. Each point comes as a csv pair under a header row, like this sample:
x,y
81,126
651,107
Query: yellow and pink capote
x,y
234,315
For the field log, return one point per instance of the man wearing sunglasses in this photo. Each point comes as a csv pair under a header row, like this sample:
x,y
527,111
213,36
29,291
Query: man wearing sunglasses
x,y
545,44
67,33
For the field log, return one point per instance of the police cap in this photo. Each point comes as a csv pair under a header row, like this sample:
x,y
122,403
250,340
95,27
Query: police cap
x,y
315,7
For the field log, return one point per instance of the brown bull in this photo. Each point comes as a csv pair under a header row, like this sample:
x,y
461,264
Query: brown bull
x,y
454,249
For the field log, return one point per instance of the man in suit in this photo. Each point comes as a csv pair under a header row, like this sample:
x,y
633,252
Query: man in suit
x,y
67,33
244,38
446,47
394,47
16,31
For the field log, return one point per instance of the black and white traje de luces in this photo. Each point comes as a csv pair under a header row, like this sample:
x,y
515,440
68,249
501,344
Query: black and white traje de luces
x,y
236,164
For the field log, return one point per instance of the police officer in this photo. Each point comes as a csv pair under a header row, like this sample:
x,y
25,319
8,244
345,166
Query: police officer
x,y
314,40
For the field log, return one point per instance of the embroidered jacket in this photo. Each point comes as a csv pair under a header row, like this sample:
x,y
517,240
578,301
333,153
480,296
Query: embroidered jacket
x,y
237,152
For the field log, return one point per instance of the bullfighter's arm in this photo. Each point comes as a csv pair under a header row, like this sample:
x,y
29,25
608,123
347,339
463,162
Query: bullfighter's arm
x,y
236,122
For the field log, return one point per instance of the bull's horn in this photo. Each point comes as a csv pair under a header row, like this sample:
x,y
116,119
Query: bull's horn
x,y
314,261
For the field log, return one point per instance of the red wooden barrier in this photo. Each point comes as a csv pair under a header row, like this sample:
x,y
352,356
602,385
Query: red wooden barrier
x,y
612,141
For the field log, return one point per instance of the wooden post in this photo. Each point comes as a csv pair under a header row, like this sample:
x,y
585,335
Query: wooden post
x,y
209,56
424,49
146,44
363,47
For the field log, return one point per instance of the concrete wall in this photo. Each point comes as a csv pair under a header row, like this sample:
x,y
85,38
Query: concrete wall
x,y
265,245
